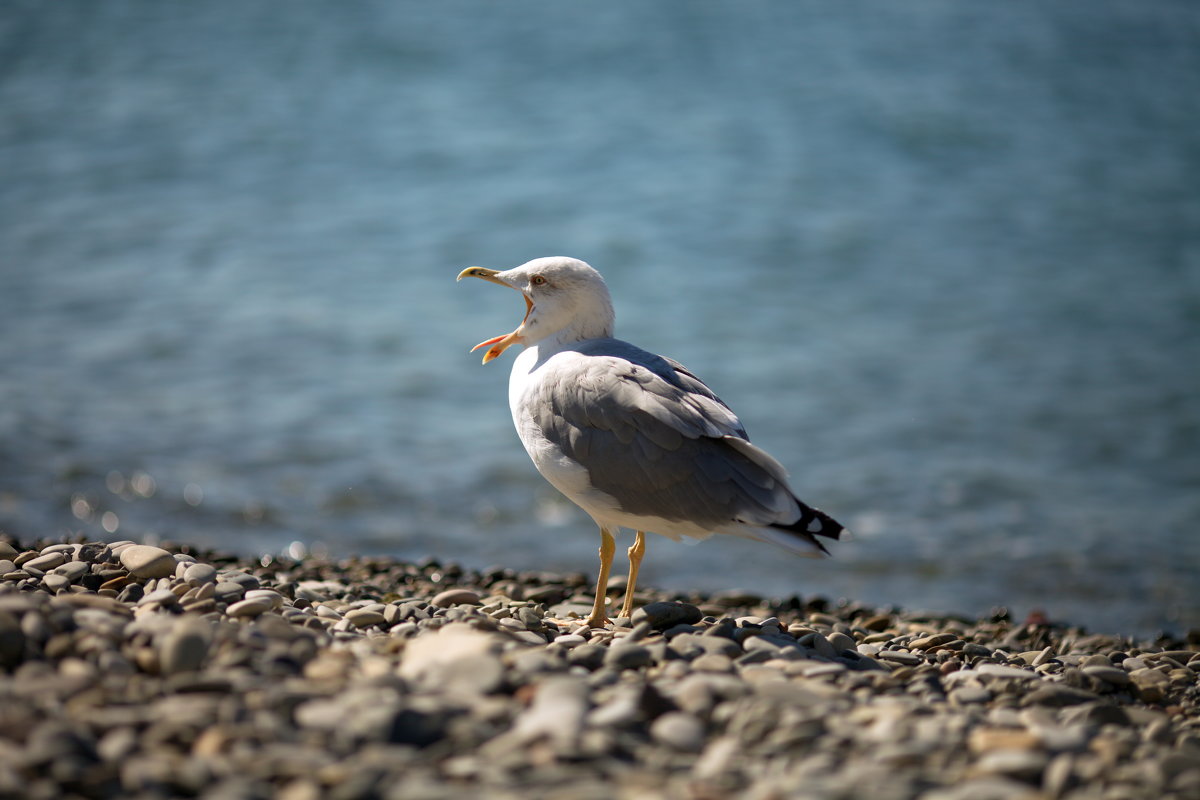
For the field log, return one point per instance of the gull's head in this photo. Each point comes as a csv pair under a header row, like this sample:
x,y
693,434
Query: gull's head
x,y
564,298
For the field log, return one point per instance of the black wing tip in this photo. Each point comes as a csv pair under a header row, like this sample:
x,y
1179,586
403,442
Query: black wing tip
x,y
814,522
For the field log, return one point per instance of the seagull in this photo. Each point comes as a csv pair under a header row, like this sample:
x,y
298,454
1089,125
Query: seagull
x,y
634,439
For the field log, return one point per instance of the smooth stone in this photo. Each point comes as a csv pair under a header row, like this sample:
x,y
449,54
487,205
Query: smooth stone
x,y
197,574
1057,695
7,551
690,645
588,656
227,592
455,597
249,608
569,640
276,599
1004,671
900,657
359,617
970,695
665,614
55,583
185,647
242,579
1114,675
842,642
679,730
1021,764
46,562
73,570
161,596
934,640
147,561
628,656
713,662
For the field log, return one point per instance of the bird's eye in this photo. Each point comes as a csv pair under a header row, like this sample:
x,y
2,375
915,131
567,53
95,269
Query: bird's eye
x,y
538,280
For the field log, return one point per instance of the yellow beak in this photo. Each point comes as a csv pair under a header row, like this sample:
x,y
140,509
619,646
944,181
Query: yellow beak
x,y
499,344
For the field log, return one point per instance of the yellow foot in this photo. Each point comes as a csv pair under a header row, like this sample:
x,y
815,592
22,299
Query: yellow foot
x,y
598,622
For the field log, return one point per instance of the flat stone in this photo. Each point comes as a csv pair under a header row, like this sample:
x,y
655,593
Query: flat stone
x,y
185,647
983,740
46,562
147,561
588,656
970,695
690,645
900,657
227,592
455,597
249,608
628,656
7,551
1004,671
841,642
663,615
713,662
197,574
359,617
932,641
163,597
1056,695
54,582
1114,675
679,730
73,570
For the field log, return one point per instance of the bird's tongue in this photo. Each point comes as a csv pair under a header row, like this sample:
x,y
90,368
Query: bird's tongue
x,y
501,343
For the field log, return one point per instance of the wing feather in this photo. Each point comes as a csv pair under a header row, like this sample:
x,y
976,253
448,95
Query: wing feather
x,y
655,438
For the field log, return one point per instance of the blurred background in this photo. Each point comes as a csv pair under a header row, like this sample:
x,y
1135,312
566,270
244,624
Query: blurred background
x,y
942,259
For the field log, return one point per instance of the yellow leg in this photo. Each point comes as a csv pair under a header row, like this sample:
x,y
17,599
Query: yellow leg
x,y
608,546
636,551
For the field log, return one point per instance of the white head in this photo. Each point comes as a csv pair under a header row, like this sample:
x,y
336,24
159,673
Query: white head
x,y
564,298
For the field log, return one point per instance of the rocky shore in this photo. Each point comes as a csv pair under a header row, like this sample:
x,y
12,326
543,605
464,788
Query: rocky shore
x,y
144,672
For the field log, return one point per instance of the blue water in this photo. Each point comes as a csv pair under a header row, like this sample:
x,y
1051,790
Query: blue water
x,y
943,259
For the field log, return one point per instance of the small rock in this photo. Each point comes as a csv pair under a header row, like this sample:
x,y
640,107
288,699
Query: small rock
x,y
679,730
197,574
359,617
1114,675
249,608
455,597
46,562
628,656
147,561
185,647
663,615
55,582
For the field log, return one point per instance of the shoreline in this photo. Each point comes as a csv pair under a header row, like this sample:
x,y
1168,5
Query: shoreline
x,y
169,671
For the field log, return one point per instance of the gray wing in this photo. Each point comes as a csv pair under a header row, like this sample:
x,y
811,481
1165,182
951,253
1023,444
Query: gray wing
x,y
655,438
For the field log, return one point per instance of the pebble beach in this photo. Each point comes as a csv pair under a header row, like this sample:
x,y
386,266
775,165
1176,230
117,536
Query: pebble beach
x,y
147,671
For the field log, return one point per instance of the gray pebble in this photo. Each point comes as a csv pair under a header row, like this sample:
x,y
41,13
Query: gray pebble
x,y
679,730
46,562
250,608
359,617
54,582
147,561
454,597
663,615
185,647
227,592
628,656
198,574
1114,675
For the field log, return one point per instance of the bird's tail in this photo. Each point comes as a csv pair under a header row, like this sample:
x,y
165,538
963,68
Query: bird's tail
x,y
801,535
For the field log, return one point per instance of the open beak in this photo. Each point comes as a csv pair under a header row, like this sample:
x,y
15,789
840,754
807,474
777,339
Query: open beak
x,y
499,344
